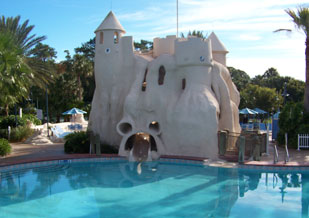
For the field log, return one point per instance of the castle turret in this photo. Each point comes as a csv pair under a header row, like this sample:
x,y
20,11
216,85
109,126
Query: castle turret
x,y
110,31
218,49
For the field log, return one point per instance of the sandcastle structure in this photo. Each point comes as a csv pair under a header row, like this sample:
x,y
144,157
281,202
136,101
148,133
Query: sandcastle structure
x,y
171,100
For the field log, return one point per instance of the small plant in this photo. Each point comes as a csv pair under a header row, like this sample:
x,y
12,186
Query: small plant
x,y
108,149
77,142
5,147
4,133
32,118
20,133
12,121
292,120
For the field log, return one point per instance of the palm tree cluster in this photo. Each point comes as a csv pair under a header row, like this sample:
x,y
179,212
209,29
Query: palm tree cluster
x,y
18,70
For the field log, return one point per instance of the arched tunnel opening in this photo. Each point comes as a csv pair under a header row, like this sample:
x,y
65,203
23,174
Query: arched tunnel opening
x,y
144,139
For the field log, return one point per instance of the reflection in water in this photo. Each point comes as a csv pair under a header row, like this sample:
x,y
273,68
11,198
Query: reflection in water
x,y
154,189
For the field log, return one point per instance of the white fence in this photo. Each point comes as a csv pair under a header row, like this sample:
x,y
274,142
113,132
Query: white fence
x,y
303,141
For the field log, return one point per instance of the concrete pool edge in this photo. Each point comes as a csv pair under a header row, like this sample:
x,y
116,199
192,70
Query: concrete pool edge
x,y
71,158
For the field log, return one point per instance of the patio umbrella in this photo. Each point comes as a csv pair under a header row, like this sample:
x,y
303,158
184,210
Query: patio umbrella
x,y
260,111
74,111
248,111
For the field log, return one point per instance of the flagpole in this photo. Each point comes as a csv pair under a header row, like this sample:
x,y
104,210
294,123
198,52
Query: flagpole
x,y
177,16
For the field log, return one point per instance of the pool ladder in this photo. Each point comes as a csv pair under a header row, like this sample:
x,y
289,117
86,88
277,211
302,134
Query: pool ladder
x,y
287,155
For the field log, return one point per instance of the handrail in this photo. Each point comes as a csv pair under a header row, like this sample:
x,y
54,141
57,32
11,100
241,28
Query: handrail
x,y
287,155
276,156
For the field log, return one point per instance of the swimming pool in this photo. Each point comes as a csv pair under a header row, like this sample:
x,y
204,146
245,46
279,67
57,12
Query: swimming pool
x,y
166,188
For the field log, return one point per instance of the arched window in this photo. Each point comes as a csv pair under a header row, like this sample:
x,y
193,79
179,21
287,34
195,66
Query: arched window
x,y
101,38
116,37
161,75
144,81
183,84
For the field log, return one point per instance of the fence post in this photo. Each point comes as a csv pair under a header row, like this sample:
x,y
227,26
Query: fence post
x,y
223,140
97,144
241,149
298,142
9,133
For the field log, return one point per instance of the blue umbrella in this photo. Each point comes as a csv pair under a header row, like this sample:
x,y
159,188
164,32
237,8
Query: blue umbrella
x,y
74,111
260,111
247,111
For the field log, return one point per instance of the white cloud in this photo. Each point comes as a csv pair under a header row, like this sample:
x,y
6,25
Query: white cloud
x,y
246,26
249,37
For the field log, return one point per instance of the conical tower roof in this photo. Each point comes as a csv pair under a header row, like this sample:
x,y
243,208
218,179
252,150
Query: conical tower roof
x,y
216,44
110,23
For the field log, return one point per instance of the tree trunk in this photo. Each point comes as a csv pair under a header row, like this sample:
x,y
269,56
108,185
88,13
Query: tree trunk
x,y
80,92
6,110
306,97
58,118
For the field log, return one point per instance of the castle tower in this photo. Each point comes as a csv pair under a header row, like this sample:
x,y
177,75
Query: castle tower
x,y
218,49
114,75
109,32
108,44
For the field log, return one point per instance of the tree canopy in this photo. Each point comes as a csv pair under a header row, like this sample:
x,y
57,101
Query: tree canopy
x,y
18,70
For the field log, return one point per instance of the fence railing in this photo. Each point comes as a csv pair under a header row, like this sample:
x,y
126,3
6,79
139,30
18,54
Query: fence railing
x,y
245,145
303,141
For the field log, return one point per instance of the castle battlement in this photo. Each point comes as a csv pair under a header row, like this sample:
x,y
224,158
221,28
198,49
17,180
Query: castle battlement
x,y
164,45
193,51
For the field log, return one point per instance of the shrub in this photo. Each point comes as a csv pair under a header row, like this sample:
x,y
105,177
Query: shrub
x,y
5,147
32,118
20,133
4,133
108,149
77,142
292,120
11,121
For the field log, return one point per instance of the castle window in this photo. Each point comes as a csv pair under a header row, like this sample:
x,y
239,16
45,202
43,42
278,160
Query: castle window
x,y
116,37
183,83
161,75
144,81
101,37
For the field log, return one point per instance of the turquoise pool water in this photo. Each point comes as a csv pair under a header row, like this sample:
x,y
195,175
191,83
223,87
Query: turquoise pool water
x,y
157,189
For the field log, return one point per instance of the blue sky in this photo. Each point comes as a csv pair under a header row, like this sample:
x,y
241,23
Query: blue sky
x,y
244,27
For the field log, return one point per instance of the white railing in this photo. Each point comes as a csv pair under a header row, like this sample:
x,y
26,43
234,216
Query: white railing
x,y
287,155
303,141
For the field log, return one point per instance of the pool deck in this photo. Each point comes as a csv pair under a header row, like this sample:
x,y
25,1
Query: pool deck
x,y
24,153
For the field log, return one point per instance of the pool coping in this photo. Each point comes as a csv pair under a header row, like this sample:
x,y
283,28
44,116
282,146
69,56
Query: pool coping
x,y
68,158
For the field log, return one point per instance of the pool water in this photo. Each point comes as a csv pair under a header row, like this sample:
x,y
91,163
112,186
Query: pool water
x,y
156,189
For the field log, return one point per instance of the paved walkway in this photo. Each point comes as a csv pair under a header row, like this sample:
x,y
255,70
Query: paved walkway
x,y
22,153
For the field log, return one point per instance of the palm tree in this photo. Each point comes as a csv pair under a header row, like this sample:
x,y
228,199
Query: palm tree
x,y
301,21
82,67
18,70
196,33
13,71
20,32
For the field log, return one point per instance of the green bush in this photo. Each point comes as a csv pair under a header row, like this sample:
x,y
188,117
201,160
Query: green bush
x,y
77,142
20,133
11,121
108,149
4,133
5,147
292,120
32,118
